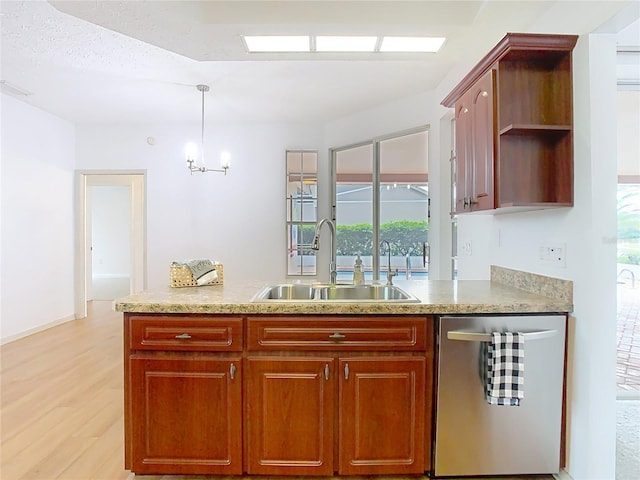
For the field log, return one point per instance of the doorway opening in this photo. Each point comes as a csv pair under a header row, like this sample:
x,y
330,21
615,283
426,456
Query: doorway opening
x,y
110,244
628,287
628,247
111,253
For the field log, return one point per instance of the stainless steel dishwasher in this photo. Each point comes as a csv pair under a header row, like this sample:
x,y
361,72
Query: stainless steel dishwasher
x,y
475,438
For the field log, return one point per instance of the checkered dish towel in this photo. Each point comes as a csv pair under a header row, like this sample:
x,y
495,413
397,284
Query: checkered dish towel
x,y
505,368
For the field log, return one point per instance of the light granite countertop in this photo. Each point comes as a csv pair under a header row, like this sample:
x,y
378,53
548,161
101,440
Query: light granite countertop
x,y
509,291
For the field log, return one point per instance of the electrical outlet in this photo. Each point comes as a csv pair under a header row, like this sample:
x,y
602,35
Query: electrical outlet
x,y
465,248
553,254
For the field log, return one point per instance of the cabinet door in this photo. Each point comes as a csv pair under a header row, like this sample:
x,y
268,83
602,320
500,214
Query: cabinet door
x,y
290,421
381,415
464,154
482,113
186,414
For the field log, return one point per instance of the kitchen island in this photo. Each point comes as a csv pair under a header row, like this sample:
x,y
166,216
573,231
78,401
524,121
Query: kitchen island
x,y
216,383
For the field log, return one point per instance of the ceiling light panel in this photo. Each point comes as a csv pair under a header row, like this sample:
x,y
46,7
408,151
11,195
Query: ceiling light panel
x,y
345,44
411,44
277,43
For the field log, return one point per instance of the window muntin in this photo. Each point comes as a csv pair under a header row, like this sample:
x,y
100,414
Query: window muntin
x,y
302,210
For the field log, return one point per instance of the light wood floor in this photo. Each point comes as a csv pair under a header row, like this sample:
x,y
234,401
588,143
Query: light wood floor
x,y
62,403
62,407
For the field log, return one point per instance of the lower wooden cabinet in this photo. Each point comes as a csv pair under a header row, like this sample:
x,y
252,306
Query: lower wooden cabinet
x,y
290,415
293,415
270,395
381,415
186,414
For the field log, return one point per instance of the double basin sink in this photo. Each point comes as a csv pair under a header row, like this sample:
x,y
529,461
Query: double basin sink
x,y
334,293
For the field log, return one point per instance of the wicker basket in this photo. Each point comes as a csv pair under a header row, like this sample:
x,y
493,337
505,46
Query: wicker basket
x,y
181,276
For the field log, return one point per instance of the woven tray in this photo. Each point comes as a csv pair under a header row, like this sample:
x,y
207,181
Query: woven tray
x,y
181,276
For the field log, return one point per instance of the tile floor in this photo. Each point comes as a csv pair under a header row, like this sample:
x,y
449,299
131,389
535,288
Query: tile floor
x,y
628,337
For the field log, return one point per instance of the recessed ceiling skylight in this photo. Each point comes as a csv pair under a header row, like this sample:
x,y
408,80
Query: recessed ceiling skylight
x,y
341,43
411,44
277,43
345,44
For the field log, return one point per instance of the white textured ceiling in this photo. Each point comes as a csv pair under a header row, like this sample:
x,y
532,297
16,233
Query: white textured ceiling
x,y
139,61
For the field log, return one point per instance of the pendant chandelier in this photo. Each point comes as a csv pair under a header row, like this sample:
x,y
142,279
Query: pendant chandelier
x,y
191,149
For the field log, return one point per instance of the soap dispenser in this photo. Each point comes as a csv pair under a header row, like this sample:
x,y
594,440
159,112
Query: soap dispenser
x,y
358,274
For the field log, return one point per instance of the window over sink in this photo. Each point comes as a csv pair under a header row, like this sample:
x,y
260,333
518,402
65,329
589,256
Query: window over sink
x,y
380,192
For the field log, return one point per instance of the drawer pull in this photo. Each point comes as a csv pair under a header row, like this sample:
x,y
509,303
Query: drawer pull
x,y
337,336
183,336
346,371
326,371
232,371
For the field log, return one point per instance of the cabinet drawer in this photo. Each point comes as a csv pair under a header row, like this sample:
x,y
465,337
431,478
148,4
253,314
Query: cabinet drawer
x,y
336,333
185,333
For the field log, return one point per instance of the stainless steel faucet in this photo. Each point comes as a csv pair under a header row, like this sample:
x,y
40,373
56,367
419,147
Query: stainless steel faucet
x,y
390,274
407,261
316,246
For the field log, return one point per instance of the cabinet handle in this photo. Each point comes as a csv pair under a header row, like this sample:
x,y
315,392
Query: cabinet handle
x,y
484,93
346,371
326,371
337,336
468,336
232,371
468,202
183,336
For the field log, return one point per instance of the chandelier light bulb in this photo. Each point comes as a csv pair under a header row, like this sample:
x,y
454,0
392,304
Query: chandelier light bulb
x,y
191,152
225,159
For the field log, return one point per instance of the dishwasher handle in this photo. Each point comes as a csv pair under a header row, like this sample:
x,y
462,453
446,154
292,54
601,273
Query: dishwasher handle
x,y
469,336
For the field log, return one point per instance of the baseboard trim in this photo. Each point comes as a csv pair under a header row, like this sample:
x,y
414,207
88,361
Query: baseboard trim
x,y
562,475
39,328
627,395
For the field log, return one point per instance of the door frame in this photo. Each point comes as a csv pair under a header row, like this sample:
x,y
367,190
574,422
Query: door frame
x,y
136,179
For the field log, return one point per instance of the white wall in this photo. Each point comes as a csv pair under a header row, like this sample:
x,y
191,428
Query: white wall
x,y
37,219
238,219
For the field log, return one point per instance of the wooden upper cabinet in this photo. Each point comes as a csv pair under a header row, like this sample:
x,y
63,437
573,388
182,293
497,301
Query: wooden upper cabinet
x,y
475,140
464,153
514,126
483,142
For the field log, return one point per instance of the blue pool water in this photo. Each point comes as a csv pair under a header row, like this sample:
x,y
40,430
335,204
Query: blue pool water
x,y
347,275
